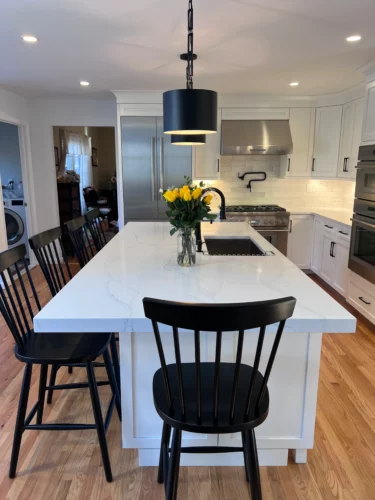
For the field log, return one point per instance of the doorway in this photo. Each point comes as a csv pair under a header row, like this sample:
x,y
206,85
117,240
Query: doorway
x,y
85,163
14,218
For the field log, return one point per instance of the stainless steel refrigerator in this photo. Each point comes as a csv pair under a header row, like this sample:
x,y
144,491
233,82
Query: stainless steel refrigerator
x,y
149,163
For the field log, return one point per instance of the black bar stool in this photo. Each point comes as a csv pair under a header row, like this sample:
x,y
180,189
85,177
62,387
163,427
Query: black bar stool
x,y
94,223
56,270
213,398
17,303
80,237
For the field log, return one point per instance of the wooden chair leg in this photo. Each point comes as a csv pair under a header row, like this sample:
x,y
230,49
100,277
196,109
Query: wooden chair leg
x,y
163,467
115,360
99,420
112,381
245,455
174,466
52,381
255,486
42,392
21,413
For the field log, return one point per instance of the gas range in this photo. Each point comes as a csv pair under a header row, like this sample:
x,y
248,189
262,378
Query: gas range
x,y
259,216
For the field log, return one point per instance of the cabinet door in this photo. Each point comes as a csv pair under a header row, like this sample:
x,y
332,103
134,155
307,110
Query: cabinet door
x,y
173,162
327,141
139,170
317,252
341,256
351,129
206,158
328,261
300,240
368,132
302,122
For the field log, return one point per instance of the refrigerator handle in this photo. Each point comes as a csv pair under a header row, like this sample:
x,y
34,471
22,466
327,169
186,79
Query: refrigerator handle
x,y
161,166
153,155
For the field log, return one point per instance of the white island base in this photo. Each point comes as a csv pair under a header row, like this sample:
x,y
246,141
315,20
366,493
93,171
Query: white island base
x,y
293,389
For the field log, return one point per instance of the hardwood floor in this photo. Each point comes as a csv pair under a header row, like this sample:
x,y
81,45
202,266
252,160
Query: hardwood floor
x,y
67,465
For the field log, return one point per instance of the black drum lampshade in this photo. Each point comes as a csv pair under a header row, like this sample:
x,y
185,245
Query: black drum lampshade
x,y
190,112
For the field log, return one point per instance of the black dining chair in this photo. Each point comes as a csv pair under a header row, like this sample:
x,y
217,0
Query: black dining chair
x,y
18,303
51,257
93,220
83,244
217,397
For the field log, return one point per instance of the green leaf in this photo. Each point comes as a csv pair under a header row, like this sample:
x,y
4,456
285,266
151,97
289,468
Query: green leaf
x,y
172,231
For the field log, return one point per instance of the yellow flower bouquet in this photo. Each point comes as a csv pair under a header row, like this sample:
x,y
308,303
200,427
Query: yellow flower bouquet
x,y
187,207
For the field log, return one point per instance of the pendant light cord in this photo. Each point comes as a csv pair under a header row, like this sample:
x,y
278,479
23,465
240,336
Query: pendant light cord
x,y
190,52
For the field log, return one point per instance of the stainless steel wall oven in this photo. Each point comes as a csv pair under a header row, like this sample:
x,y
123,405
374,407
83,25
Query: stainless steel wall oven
x,y
362,243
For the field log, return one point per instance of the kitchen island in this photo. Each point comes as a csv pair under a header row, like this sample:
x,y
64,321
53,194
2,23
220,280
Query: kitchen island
x,y
106,296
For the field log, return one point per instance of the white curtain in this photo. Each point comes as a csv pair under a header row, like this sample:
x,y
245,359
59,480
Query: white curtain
x,y
76,149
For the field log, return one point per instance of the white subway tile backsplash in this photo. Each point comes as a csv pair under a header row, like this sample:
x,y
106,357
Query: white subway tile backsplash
x,y
290,192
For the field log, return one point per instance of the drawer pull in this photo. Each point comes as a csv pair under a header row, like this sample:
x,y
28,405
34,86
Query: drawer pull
x,y
329,227
345,234
363,300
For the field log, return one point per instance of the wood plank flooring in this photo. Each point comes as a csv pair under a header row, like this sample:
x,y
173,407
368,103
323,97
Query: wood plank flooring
x,y
67,465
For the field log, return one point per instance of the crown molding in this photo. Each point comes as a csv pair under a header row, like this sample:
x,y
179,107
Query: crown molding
x,y
368,70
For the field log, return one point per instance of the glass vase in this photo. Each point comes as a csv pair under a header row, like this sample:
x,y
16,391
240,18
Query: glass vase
x,y
186,247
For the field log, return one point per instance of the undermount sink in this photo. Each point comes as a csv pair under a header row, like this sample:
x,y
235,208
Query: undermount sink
x,y
217,245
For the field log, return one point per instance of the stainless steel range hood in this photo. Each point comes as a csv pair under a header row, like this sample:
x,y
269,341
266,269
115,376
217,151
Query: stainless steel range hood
x,y
256,137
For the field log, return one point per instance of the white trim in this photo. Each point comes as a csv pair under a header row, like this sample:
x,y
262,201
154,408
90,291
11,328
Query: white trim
x,y
275,458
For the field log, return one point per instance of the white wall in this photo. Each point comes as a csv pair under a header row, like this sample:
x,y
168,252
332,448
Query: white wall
x,y
44,114
10,156
290,193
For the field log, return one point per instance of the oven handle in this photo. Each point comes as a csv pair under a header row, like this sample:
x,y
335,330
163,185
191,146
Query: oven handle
x,y
364,223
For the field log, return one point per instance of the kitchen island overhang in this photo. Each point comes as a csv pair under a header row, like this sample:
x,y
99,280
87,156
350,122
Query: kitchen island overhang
x,y
140,261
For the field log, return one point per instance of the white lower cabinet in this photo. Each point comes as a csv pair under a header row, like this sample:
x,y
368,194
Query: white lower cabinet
x,y
321,245
300,240
330,253
317,250
361,295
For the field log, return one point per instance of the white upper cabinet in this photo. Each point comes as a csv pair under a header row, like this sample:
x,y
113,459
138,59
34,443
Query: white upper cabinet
x,y
351,130
302,122
206,158
327,141
368,132
255,113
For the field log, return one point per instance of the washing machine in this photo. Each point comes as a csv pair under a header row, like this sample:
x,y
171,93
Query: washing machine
x,y
15,221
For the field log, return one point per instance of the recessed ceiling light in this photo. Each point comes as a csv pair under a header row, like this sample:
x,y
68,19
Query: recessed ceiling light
x,y
353,38
29,38
294,84
84,83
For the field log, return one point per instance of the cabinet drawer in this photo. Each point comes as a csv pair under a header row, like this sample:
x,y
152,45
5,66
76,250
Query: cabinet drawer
x,y
343,233
328,227
364,300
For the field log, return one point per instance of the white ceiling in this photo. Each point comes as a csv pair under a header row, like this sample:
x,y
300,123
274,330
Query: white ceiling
x,y
243,46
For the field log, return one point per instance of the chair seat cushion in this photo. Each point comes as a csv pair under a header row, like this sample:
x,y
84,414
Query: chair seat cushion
x,y
49,348
224,423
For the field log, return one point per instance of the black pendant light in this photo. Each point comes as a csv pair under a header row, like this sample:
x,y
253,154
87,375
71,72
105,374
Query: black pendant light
x,y
190,111
188,140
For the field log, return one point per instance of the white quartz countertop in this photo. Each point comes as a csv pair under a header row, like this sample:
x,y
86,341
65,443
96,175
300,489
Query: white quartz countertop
x,y
335,214
106,295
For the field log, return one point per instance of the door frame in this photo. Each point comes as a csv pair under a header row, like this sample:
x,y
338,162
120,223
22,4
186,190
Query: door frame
x,y
27,173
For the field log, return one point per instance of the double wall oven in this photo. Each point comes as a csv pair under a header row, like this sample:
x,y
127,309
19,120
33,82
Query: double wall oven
x,y
362,245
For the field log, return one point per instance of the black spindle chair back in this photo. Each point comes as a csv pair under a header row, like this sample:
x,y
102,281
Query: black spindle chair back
x,y
51,257
13,298
219,318
94,224
81,241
